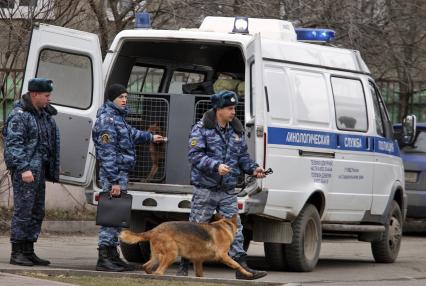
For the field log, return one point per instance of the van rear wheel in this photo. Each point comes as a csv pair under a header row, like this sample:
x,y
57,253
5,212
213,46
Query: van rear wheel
x,y
386,250
275,255
303,253
139,252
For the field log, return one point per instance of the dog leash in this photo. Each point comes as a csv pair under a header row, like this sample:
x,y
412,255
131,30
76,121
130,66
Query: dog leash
x,y
250,179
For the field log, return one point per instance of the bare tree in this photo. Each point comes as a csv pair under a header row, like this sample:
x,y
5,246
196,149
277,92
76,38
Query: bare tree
x,y
16,23
390,34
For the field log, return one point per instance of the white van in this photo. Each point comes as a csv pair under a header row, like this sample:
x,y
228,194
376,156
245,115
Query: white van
x,y
312,113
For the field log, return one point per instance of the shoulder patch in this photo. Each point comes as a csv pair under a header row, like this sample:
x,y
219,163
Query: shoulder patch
x,y
105,139
14,127
193,142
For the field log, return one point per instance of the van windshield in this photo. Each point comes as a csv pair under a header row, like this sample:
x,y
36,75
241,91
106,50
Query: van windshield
x,y
419,145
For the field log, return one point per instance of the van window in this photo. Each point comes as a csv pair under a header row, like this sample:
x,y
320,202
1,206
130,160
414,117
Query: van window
x,y
278,85
251,88
349,101
383,123
72,76
380,129
180,78
145,79
312,105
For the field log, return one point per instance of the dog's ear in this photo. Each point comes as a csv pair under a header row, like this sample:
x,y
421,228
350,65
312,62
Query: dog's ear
x,y
217,216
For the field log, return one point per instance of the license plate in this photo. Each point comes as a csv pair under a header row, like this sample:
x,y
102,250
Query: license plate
x,y
411,177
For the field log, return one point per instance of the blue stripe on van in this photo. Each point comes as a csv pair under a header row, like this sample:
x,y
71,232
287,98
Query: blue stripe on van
x,y
331,140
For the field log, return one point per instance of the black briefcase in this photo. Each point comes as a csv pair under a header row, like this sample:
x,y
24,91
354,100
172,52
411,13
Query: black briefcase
x,y
114,211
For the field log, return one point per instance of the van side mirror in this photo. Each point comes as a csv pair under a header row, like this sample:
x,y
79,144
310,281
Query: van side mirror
x,y
409,129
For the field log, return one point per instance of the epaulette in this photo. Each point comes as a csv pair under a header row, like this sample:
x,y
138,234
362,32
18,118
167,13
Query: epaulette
x,y
19,109
108,119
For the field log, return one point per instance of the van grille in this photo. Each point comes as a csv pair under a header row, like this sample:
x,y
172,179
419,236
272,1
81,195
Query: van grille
x,y
148,114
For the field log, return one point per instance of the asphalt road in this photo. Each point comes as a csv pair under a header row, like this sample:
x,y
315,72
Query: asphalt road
x,y
342,261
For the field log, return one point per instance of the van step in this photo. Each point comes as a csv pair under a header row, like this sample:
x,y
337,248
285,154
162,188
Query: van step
x,y
353,227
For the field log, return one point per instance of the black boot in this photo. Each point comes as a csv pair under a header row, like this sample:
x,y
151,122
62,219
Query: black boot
x,y
17,257
183,267
105,262
256,273
115,256
29,253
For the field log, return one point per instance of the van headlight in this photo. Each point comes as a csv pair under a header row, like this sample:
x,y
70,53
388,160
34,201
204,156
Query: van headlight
x,y
411,177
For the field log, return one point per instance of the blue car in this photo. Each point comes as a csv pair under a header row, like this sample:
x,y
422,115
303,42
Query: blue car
x,y
414,158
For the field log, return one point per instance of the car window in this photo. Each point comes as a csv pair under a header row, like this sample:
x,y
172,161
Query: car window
x,y
72,76
419,145
349,101
145,79
181,78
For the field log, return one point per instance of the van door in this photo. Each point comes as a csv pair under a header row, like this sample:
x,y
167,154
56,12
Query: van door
x,y
352,178
73,60
387,169
255,105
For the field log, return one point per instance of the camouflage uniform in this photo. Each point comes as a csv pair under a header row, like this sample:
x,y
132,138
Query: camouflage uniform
x,y
31,143
115,149
209,146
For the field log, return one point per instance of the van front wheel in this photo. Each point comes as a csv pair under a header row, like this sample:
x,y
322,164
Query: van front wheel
x,y
303,253
386,250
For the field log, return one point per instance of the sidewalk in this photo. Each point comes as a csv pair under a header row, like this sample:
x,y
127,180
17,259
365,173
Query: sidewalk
x,y
14,280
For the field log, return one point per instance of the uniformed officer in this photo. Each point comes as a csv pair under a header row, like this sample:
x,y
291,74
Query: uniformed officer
x,y
32,155
115,149
218,154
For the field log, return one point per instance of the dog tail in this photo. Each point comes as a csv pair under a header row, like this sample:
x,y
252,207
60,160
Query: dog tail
x,y
131,237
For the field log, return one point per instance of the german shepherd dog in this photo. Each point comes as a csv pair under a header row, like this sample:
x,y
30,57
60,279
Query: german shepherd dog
x,y
198,242
156,152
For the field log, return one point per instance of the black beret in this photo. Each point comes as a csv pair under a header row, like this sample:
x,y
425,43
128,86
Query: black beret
x,y
224,98
40,84
115,90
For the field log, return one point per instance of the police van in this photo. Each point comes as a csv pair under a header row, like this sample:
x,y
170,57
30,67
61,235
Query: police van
x,y
312,113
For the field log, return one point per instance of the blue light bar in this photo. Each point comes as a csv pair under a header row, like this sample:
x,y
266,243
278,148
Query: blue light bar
x,y
315,35
142,20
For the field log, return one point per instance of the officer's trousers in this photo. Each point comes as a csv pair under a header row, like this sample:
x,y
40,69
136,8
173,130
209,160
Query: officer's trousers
x,y
205,203
108,236
28,207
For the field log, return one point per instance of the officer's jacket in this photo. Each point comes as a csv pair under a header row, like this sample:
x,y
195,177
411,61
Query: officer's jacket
x,y
23,133
115,142
209,147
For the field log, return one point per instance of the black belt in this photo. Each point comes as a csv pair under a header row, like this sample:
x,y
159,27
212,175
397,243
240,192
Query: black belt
x,y
216,188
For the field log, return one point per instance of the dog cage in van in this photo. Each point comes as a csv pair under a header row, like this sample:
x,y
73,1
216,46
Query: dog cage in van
x,y
170,84
152,114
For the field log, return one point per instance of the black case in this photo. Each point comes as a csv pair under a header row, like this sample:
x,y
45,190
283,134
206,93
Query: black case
x,y
114,211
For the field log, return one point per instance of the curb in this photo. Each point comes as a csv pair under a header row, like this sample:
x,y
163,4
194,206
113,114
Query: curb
x,y
69,272
62,227
68,227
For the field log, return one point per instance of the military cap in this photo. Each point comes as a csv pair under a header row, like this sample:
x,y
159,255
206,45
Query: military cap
x,y
115,90
40,84
224,98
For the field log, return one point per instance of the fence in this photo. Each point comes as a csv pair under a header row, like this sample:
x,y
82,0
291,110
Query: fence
x,y
10,90
417,104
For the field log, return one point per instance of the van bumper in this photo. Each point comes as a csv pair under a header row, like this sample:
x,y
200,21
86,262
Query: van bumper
x,y
162,202
416,204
